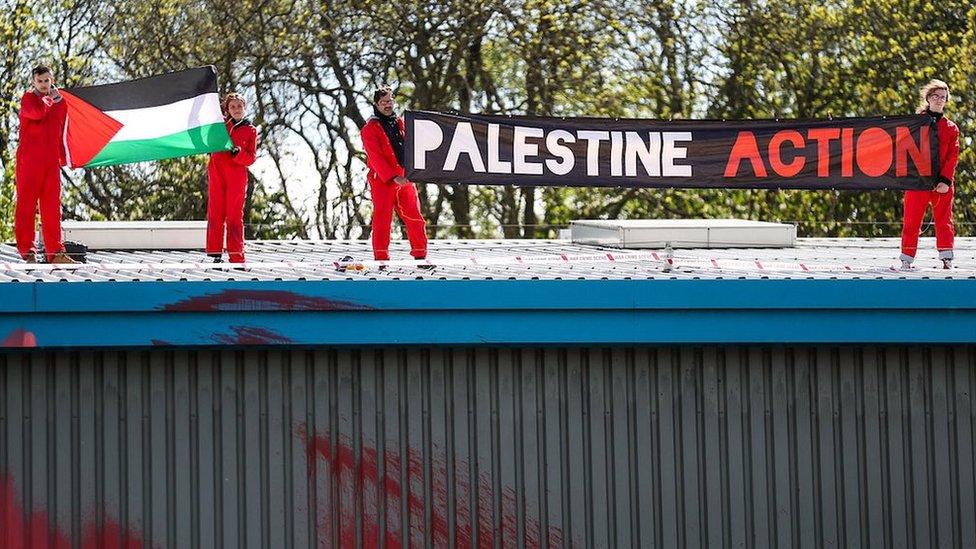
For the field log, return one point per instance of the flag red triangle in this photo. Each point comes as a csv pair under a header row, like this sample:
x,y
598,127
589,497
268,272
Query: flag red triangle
x,y
87,130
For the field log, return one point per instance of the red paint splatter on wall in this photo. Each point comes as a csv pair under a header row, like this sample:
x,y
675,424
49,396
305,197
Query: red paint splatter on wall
x,y
20,530
19,338
367,494
249,335
261,300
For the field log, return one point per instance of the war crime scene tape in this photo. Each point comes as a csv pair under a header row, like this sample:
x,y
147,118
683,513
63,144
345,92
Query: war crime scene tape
x,y
661,260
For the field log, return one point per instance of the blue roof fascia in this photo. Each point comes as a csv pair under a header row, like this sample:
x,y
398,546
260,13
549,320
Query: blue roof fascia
x,y
487,312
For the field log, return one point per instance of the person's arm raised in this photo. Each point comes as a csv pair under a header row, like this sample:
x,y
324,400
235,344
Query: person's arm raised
x,y
33,107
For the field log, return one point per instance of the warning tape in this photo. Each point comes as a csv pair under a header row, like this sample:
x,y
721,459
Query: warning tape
x,y
331,265
659,259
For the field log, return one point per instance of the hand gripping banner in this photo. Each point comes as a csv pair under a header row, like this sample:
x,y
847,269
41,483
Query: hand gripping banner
x,y
892,152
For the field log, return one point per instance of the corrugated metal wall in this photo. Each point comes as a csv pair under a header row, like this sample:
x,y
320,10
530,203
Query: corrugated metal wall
x,y
743,447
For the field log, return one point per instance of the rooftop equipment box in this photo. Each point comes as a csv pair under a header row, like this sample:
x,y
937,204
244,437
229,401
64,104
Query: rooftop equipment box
x,y
137,235
683,233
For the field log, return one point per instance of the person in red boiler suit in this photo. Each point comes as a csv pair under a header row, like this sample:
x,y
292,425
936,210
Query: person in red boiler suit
x,y
228,183
934,96
389,189
40,155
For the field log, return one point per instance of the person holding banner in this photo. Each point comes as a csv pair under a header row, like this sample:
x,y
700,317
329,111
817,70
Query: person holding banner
x,y
934,96
40,155
227,173
382,139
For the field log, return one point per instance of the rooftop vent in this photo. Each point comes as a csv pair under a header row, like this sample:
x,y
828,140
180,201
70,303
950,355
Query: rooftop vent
x,y
137,235
683,233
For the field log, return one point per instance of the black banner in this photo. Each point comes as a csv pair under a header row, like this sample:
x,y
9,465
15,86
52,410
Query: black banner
x,y
893,152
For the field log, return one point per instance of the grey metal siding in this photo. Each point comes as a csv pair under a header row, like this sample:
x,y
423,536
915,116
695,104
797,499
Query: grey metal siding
x,y
616,447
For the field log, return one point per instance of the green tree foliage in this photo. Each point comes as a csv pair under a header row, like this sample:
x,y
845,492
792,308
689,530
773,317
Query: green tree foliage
x,y
17,24
308,68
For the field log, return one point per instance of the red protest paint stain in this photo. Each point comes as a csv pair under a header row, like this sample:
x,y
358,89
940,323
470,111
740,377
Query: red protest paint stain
x,y
247,335
363,493
261,300
19,338
110,536
20,531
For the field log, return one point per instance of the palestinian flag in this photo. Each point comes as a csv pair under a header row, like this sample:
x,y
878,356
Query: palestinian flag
x,y
164,116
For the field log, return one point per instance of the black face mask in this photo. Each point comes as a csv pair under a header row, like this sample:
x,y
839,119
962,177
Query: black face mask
x,y
392,130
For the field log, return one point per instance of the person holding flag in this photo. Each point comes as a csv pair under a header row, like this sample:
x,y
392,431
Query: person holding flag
x,y
227,174
40,155
934,96
389,189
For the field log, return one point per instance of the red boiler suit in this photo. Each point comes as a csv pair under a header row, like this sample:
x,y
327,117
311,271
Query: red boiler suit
x,y
387,195
917,202
40,155
227,190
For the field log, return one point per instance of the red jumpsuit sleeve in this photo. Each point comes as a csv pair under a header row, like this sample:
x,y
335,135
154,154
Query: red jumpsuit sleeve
x,y
62,118
248,142
377,157
949,152
32,108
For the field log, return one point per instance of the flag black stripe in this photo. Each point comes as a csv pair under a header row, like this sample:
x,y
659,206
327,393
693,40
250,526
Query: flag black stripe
x,y
152,91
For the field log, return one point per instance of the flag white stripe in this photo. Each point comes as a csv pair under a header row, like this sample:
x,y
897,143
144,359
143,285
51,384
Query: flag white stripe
x,y
154,122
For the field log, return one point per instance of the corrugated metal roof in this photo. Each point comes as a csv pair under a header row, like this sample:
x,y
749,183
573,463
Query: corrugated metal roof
x,y
719,446
812,258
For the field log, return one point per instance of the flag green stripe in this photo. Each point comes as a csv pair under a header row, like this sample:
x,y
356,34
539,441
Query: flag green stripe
x,y
199,140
